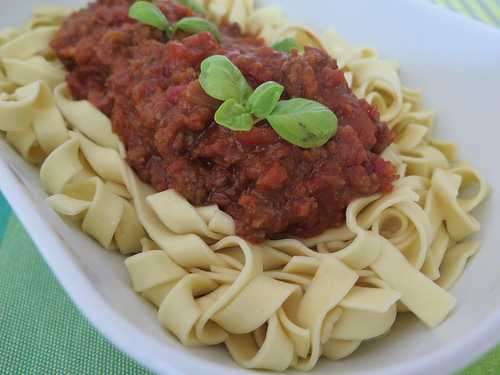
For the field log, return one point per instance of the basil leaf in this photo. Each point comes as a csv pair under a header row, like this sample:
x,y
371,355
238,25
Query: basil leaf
x,y
170,31
304,123
222,80
148,14
287,45
194,25
264,99
193,4
234,116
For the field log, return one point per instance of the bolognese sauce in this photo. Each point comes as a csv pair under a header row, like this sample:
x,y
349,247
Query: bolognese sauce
x,y
149,87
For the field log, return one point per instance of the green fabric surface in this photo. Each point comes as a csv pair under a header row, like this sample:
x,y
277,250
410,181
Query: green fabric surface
x,y
42,332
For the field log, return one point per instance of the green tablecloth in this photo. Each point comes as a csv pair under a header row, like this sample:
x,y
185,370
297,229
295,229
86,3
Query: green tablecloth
x,y
41,331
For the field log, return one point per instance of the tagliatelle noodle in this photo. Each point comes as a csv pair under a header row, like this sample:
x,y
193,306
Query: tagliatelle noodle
x,y
283,303
107,216
86,118
32,122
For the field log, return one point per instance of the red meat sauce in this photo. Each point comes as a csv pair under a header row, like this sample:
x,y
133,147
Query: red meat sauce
x,y
149,87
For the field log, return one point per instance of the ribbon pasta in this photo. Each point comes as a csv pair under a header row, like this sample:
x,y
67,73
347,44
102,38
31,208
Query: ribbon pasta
x,y
280,304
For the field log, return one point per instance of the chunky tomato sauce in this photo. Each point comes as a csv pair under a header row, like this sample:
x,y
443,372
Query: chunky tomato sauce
x,y
149,87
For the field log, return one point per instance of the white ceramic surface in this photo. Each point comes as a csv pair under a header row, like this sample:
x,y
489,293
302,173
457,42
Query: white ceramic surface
x,y
455,61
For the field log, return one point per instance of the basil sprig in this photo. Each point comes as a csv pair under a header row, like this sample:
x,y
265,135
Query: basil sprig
x,y
234,116
288,45
194,25
302,122
149,14
222,80
193,4
264,99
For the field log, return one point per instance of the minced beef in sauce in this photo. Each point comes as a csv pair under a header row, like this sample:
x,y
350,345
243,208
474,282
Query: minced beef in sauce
x,y
149,88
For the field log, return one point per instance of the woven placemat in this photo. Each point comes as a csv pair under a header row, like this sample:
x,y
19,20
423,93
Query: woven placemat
x,y
42,332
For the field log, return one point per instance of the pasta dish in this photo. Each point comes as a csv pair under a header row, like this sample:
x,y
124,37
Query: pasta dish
x,y
273,190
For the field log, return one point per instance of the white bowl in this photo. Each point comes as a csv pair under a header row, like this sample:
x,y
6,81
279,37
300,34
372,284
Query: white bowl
x,y
455,61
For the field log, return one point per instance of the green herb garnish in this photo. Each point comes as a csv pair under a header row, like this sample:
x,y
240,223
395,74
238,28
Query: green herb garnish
x,y
234,116
222,80
264,99
288,45
193,4
194,25
149,14
302,122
